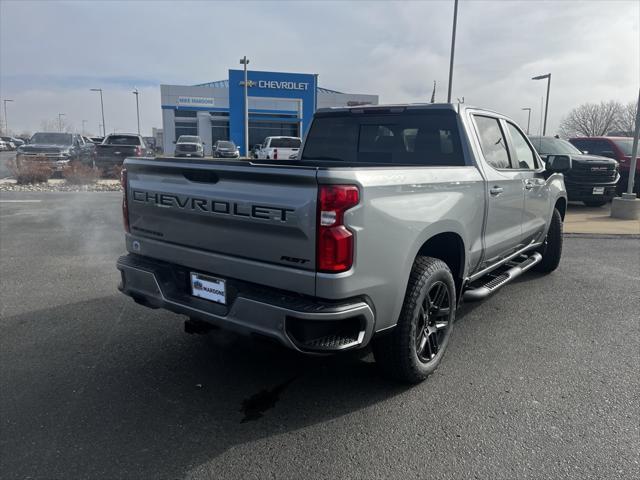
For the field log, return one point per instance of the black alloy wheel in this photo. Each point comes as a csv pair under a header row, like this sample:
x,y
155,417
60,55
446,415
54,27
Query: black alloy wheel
x,y
432,327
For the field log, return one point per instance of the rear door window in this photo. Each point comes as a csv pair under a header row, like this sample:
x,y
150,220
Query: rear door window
x,y
411,137
285,143
492,141
122,140
525,158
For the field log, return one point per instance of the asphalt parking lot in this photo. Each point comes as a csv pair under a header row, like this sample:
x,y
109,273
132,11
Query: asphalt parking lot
x,y
540,381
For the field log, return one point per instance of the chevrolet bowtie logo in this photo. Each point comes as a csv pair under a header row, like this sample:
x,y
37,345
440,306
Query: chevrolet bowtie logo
x,y
250,83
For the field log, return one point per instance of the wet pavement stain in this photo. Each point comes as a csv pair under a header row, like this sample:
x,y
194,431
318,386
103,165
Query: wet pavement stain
x,y
255,406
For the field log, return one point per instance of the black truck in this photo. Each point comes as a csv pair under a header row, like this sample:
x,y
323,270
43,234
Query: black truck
x,y
118,146
591,180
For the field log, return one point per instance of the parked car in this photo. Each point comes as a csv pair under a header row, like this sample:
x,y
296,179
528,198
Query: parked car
x,y
58,149
150,142
97,140
591,180
92,149
3,146
371,239
618,148
9,142
274,148
18,142
225,149
253,152
189,146
118,146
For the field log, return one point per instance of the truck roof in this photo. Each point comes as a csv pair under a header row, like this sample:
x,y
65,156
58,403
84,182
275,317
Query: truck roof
x,y
456,107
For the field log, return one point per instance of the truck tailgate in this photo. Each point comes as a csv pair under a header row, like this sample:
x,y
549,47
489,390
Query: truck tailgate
x,y
250,212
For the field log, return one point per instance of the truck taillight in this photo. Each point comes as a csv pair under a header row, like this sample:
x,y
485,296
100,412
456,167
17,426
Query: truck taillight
x,y
275,153
334,240
125,207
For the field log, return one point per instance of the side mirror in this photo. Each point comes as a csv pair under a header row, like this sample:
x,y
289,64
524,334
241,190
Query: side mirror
x,y
585,152
174,142
559,163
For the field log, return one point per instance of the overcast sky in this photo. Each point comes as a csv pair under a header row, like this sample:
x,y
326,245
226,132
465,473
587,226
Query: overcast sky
x,y
52,52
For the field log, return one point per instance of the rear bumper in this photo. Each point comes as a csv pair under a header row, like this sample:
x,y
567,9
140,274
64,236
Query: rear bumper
x,y
298,322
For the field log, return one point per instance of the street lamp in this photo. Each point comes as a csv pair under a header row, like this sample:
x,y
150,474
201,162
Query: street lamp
x,y
60,115
6,123
528,118
136,93
104,128
453,49
245,61
546,108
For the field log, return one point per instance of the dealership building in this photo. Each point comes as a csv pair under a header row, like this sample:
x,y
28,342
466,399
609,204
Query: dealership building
x,y
279,104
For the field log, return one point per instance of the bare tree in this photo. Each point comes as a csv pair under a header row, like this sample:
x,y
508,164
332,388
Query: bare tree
x,y
591,119
626,121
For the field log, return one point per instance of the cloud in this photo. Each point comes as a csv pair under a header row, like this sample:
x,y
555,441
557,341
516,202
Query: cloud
x,y
52,52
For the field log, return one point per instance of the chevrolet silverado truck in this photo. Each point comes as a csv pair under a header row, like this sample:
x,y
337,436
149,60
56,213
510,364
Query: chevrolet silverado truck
x,y
118,146
388,220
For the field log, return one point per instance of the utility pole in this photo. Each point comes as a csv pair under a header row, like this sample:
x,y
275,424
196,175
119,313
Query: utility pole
x,y
83,123
60,115
245,61
6,122
104,127
453,49
546,108
136,93
528,118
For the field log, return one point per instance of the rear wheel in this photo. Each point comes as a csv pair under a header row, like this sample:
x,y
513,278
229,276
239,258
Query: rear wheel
x,y
551,249
415,347
594,203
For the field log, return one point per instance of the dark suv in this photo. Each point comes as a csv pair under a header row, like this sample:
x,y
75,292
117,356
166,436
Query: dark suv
x,y
618,148
592,179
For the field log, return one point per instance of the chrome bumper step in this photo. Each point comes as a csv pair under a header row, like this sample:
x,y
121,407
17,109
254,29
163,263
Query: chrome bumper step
x,y
492,281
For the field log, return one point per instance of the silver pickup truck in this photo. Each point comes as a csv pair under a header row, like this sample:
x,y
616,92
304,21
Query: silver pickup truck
x,y
391,216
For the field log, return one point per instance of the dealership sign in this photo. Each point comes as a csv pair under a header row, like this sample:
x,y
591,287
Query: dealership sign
x,y
195,101
278,85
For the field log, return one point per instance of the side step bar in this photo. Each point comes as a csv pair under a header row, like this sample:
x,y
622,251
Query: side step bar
x,y
482,291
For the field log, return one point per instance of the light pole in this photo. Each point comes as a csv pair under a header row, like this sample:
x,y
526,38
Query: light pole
x,y
104,128
528,118
83,122
245,61
6,123
453,49
60,115
136,93
546,108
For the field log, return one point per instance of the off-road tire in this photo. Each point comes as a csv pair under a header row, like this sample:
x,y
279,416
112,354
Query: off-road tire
x,y
551,249
396,352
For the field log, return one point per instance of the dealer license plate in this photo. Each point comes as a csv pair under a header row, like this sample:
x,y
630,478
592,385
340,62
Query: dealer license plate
x,y
598,190
209,288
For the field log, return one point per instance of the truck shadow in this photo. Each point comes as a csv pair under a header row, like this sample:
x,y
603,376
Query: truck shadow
x,y
107,386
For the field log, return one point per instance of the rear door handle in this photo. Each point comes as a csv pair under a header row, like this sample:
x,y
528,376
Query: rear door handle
x,y
495,191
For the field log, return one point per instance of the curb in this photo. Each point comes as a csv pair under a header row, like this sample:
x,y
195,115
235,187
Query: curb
x,y
618,236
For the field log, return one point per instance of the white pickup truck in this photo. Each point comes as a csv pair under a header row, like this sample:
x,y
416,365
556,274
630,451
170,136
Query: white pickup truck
x,y
278,148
